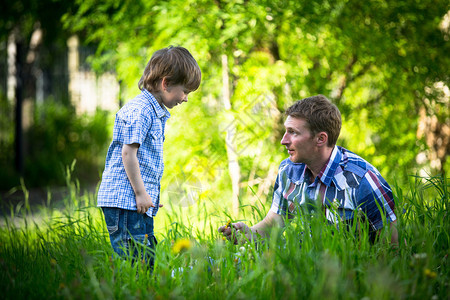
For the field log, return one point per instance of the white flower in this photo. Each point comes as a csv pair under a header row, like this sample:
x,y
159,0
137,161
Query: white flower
x,y
420,256
335,205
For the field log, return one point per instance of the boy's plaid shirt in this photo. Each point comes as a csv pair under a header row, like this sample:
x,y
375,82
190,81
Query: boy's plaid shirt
x,y
141,121
347,183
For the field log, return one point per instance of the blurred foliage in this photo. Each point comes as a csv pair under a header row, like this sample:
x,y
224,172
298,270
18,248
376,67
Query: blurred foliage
x,y
60,136
8,176
24,14
381,62
374,59
57,138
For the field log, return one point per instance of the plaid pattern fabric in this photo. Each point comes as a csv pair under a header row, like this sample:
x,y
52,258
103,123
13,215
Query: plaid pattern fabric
x,y
347,183
141,121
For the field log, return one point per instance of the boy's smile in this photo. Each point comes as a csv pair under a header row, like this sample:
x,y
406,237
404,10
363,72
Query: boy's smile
x,y
174,95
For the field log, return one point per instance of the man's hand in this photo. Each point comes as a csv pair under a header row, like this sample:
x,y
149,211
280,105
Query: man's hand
x,y
234,232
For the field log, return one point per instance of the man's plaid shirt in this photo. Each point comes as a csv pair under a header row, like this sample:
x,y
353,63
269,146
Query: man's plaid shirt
x,y
347,180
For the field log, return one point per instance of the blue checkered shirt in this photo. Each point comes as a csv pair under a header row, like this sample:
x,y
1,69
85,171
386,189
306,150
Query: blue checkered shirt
x,y
141,121
345,185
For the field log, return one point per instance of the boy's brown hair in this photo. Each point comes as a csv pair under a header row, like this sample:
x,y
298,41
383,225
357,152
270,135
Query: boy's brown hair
x,y
320,114
176,64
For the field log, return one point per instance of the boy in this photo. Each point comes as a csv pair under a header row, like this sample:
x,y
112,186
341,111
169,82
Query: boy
x,y
130,186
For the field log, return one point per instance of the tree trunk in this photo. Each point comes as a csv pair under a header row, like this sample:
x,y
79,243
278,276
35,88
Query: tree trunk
x,y
18,136
232,154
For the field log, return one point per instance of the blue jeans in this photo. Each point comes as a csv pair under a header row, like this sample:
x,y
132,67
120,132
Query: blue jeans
x,y
131,233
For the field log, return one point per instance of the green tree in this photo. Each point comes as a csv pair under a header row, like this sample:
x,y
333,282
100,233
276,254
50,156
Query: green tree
x,y
381,62
34,51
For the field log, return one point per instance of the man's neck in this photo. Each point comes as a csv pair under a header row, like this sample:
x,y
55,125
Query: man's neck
x,y
316,165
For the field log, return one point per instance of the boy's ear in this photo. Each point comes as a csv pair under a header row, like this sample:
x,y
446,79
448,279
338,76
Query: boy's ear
x,y
164,85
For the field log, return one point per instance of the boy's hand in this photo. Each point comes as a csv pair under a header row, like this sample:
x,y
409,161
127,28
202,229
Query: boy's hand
x,y
229,231
144,202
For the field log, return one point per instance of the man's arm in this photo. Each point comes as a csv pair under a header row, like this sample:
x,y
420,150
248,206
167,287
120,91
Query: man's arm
x,y
262,228
131,164
376,199
394,233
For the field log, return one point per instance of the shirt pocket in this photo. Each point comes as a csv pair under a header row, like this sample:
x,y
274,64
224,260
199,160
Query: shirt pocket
x,y
157,136
156,132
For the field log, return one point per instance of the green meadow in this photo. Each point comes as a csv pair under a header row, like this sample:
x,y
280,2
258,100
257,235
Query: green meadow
x,y
385,65
62,251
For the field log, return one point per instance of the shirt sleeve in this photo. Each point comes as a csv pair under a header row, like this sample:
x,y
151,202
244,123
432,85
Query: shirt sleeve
x,y
277,198
375,199
280,204
133,126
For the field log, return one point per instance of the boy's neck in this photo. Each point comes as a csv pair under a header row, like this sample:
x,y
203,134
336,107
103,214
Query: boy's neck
x,y
158,98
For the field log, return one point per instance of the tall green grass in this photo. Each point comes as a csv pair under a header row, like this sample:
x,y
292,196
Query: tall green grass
x,y
66,254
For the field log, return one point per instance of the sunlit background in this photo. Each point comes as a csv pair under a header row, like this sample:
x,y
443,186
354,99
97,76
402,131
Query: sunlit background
x,y
67,67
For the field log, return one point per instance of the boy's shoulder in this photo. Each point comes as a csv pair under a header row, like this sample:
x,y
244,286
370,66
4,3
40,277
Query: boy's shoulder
x,y
137,104
145,103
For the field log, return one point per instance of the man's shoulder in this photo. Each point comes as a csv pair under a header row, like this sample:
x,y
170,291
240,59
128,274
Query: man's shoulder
x,y
293,171
355,164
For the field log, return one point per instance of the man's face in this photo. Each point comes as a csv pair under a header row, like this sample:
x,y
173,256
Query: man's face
x,y
298,140
174,95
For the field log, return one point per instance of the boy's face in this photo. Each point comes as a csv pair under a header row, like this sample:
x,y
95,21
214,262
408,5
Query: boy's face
x,y
174,95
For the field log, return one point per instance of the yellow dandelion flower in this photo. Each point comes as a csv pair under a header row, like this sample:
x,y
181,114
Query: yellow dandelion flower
x,y
228,224
430,274
53,262
181,245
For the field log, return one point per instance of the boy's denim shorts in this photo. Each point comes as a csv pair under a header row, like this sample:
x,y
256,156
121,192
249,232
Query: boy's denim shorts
x,y
131,233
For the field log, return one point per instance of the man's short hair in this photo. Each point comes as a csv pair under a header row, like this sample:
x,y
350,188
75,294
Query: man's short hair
x,y
320,114
176,64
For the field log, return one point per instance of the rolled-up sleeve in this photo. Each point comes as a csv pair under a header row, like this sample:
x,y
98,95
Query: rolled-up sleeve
x,y
134,126
376,200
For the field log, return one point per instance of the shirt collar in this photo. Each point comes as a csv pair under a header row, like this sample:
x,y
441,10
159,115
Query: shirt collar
x,y
161,111
329,170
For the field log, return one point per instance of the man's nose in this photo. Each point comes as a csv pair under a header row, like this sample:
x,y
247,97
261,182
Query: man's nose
x,y
284,140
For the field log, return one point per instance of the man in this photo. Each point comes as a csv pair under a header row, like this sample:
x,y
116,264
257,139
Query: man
x,y
319,171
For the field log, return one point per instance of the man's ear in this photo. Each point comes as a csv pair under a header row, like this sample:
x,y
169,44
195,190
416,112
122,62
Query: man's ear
x,y
322,139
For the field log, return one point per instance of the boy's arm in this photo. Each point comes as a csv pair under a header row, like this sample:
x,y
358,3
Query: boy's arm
x,y
131,164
